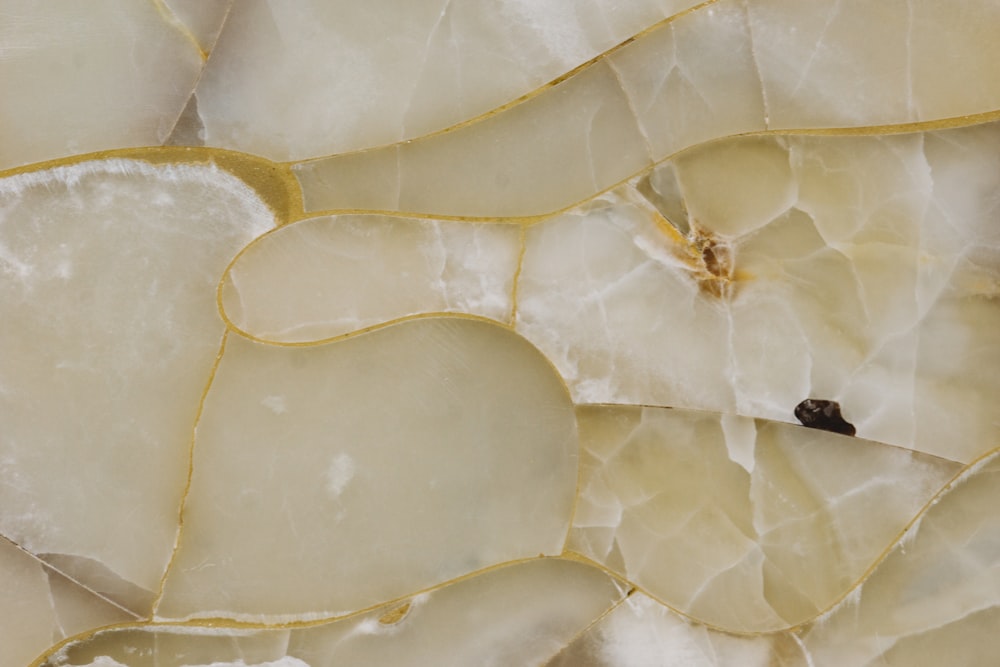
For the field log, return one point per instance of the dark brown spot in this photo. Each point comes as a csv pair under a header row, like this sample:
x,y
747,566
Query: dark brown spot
x,y
824,415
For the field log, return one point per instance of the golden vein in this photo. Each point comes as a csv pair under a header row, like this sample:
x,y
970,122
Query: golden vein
x,y
521,251
168,16
535,92
950,123
957,478
566,555
190,473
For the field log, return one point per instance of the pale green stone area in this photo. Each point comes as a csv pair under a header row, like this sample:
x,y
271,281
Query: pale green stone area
x,y
459,332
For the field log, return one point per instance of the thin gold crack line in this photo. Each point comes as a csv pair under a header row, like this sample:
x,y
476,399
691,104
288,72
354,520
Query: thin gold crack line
x,y
521,252
415,215
49,566
567,394
206,59
531,94
190,475
566,555
382,324
578,487
590,626
956,479
292,209
720,413
230,624
170,18
253,243
935,125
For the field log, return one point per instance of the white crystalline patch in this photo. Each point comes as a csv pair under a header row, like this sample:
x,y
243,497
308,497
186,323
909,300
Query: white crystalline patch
x,y
741,436
104,661
275,404
280,662
340,472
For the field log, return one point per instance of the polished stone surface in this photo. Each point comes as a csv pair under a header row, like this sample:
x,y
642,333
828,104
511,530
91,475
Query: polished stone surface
x,y
458,332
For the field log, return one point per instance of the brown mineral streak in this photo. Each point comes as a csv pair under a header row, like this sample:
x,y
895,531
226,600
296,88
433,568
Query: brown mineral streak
x,y
714,262
705,255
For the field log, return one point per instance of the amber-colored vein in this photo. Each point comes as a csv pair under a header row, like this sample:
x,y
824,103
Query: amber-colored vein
x,y
950,123
190,473
171,19
522,250
535,92
966,472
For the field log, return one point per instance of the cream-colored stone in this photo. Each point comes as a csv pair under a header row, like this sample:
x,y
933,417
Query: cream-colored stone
x,y
332,478
741,276
107,274
663,503
472,622
582,139
325,277
720,70
693,79
204,19
643,633
317,78
850,62
859,269
934,600
81,77
469,622
177,646
603,297
39,606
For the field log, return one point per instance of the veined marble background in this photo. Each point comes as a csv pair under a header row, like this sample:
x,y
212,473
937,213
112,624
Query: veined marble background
x,y
471,332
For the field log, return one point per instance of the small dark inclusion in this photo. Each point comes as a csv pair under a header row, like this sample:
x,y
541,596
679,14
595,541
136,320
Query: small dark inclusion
x,y
824,415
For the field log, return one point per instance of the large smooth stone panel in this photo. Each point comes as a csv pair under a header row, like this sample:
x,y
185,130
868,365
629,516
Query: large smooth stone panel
x,y
107,281
327,277
79,77
332,478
